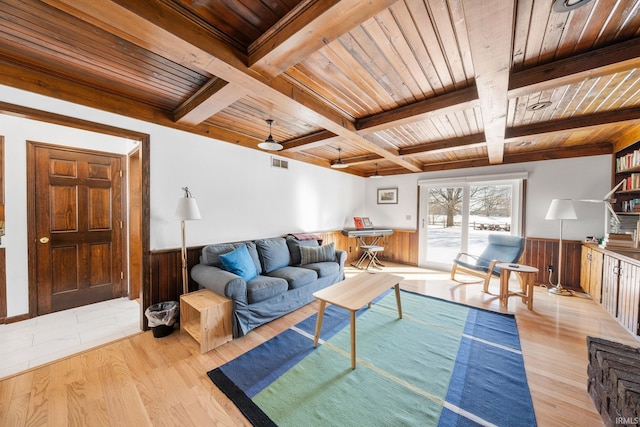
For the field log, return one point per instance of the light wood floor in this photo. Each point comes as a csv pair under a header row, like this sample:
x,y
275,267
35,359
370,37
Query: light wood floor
x,y
141,380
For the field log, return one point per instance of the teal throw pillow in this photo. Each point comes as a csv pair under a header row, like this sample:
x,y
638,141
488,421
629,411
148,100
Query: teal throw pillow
x,y
239,262
309,254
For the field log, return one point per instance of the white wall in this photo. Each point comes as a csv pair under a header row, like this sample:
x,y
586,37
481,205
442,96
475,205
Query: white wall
x,y
579,178
240,196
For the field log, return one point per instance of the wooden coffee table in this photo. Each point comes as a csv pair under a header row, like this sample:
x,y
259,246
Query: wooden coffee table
x,y
352,294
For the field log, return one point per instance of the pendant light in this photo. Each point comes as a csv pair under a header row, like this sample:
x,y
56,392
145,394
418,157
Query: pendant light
x,y
270,144
376,174
339,164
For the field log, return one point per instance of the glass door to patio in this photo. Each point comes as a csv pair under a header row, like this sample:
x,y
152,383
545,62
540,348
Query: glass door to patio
x,y
458,217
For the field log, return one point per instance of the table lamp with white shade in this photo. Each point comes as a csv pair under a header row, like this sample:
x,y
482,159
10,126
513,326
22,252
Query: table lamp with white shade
x,y
560,209
187,209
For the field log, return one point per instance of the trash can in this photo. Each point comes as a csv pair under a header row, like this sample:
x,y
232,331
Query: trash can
x,y
161,317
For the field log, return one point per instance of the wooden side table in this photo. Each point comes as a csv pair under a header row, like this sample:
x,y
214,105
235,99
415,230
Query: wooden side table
x,y
206,316
525,277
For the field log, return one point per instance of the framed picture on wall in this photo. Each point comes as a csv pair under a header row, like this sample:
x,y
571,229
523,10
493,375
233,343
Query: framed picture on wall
x,y
387,196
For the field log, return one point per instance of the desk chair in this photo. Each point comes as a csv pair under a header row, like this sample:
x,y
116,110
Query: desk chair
x,y
501,248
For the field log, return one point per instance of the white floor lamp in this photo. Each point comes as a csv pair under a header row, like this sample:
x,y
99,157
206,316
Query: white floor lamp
x,y
187,209
560,209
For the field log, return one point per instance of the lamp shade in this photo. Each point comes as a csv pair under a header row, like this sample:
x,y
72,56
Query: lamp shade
x,y
561,209
187,209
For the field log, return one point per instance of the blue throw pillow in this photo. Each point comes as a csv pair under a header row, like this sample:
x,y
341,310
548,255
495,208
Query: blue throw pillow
x,y
239,262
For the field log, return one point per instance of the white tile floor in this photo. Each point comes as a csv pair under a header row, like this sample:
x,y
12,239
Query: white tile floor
x,y
36,341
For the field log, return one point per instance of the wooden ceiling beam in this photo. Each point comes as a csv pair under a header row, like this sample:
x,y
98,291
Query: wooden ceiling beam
x,y
57,87
160,29
423,110
492,26
595,63
467,141
592,121
316,139
213,97
307,28
530,156
363,160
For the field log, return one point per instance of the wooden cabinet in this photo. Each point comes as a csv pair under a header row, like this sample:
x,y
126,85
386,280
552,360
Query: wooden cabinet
x,y
619,289
591,272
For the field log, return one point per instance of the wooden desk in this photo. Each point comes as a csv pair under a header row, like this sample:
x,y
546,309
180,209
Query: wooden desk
x,y
526,275
352,294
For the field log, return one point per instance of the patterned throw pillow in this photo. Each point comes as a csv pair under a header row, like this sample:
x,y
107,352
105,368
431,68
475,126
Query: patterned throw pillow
x,y
309,255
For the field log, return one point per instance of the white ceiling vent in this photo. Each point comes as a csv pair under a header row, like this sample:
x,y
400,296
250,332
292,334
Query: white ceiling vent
x,y
279,163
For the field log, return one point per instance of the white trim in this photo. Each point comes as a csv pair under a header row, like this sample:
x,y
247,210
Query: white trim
x,y
475,178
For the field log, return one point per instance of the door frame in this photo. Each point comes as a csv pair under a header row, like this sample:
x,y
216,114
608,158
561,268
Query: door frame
x,y
144,144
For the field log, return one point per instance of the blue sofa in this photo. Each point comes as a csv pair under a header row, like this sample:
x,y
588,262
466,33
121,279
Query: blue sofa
x,y
278,276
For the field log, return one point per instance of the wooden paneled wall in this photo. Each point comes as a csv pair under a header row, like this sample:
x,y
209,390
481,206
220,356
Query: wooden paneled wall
x,y
401,247
541,253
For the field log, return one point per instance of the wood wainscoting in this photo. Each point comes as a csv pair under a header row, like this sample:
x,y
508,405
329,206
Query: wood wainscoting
x,y
400,247
541,253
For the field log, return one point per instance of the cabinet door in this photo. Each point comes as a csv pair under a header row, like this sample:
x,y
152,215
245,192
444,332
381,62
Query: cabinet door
x,y
595,275
629,296
610,270
585,269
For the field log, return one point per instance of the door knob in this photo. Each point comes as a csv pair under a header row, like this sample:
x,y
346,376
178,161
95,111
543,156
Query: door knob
x,y
44,240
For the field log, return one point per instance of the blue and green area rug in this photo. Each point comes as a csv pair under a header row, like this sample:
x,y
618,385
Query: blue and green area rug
x,y
442,364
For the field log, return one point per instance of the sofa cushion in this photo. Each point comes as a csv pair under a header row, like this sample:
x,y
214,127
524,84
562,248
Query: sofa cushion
x,y
211,254
239,262
294,248
309,255
274,253
262,288
297,277
324,269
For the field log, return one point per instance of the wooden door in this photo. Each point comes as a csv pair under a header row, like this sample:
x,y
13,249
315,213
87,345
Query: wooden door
x,y
78,220
595,275
585,270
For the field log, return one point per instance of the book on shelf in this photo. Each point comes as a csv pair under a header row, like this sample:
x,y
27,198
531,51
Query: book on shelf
x,y
632,182
628,161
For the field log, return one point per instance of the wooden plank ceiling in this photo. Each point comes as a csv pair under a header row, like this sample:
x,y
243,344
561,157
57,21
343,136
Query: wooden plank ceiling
x,y
399,86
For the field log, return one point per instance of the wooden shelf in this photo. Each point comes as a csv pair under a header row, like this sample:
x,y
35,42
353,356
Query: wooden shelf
x,y
628,170
193,329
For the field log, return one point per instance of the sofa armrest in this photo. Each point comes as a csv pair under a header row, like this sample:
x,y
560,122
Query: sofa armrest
x,y
341,257
220,281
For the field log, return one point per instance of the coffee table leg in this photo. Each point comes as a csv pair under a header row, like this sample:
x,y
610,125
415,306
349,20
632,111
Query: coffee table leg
x,y
353,339
399,304
319,322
